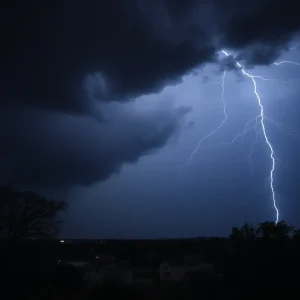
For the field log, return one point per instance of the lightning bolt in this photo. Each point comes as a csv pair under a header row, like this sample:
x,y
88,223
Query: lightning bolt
x,y
257,123
241,135
286,62
275,79
261,118
218,127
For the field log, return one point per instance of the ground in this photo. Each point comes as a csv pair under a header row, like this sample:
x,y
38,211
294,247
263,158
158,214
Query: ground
x,y
250,269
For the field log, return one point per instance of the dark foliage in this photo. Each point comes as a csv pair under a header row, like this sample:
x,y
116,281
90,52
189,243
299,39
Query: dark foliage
x,y
254,264
26,214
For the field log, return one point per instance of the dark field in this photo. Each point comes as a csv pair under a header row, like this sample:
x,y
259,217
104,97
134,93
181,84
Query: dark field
x,y
249,268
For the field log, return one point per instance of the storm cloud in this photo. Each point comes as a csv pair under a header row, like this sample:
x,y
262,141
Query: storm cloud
x,y
52,48
58,150
71,72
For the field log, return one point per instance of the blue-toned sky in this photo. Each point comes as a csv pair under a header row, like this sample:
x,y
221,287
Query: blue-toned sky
x,y
105,113
220,186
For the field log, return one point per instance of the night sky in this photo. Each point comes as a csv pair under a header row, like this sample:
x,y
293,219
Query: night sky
x,y
103,102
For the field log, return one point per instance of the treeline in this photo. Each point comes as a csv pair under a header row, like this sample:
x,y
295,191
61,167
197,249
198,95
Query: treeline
x,y
266,231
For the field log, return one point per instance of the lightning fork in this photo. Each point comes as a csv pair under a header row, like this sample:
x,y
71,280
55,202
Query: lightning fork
x,y
286,62
218,127
262,123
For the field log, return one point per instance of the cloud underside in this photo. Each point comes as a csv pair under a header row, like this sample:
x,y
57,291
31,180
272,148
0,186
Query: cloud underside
x,y
39,149
137,47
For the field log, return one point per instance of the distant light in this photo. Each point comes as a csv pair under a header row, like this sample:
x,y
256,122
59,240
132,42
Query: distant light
x,y
62,241
97,257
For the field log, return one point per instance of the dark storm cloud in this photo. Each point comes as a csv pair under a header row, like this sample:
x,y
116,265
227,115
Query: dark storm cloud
x,y
267,23
52,46
39,149
229,63
259,54
49,48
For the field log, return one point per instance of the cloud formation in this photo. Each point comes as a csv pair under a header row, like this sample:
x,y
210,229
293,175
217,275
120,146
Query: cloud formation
x,y
40,149
64,62
137,47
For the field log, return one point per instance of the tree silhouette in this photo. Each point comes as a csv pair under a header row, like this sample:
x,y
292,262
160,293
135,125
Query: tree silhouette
x,y
271,230
26,214
246,232
266,230
296,235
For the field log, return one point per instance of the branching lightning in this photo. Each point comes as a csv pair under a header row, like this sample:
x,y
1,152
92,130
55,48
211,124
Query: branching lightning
x,y
253,124
261,118
287,62
221,124
257,123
